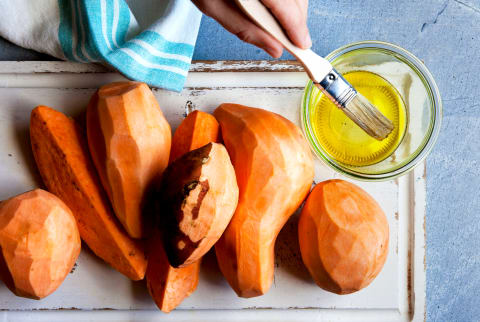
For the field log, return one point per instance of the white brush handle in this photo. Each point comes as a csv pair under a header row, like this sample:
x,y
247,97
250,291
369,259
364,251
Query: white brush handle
x,y
316,66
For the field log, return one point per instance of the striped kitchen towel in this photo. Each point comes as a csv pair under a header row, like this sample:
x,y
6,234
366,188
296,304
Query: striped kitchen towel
x,y
146,40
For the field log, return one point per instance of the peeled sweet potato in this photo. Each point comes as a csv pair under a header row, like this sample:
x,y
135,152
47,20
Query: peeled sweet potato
x,y
39,243
196,130
274,170
343,235
61,153
129,141
168,285
198,196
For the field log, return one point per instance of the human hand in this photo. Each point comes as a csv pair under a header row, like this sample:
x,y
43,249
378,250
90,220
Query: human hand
x,y
291,14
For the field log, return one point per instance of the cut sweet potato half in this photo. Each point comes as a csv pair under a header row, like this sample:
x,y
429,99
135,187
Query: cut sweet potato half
x,y
61,153
198,196
168,285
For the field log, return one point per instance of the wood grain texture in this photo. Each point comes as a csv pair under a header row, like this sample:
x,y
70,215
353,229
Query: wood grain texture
x,y
43,67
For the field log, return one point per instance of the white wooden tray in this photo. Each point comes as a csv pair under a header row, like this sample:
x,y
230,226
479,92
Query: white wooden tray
x,y
94,291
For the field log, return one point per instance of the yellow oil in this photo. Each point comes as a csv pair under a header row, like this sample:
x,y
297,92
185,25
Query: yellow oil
x,y
343,140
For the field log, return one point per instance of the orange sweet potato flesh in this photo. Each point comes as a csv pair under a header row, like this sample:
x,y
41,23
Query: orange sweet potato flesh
x,y
61,153
274,170
196,130
343,235
168,285
129,140
197,199
39,243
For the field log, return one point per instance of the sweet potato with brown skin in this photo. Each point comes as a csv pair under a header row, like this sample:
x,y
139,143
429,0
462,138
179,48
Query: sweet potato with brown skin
x,y
61,152
197,197
39,243
167,285
196,130
129,141
274,170
343,235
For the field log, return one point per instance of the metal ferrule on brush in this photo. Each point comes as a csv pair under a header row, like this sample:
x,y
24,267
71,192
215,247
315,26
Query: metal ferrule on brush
x,y
355,106
337,88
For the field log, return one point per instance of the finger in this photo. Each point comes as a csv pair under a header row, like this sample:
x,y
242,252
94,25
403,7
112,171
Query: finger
x,y
232,19
292,19
303,5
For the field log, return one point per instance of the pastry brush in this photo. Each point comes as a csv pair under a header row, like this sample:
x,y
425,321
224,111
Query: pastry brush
x,y
323,75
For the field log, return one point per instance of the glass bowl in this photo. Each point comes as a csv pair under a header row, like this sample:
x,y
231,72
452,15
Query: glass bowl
x,y
416,87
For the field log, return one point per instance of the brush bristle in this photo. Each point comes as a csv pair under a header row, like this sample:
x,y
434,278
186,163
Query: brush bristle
x,y
368,117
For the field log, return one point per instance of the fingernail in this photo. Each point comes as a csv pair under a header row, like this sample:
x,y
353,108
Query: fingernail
x,y
278,53
308,41
274,52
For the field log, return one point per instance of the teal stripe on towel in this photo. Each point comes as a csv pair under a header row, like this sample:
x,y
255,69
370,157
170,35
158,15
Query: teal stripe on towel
x,y
155,59
65,31
109,13
80,37
65,28
91,51
123,22
93,14
160,43
155,77
90,30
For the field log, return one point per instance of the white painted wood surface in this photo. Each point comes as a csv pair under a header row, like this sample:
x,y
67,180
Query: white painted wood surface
x,y
97,292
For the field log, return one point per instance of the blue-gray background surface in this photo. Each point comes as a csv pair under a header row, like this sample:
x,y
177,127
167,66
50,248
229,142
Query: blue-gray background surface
x,y
445,34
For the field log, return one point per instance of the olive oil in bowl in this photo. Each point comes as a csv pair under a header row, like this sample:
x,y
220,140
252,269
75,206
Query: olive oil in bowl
x,y
345,141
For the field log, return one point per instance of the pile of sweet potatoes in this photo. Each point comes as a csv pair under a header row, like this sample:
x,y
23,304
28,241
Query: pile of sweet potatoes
x,y
151,205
